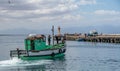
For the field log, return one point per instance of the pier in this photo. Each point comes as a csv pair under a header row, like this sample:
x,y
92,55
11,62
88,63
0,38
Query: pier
x,y
107,38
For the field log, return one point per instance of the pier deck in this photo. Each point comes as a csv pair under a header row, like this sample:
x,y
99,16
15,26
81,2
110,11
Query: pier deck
x,y
108,38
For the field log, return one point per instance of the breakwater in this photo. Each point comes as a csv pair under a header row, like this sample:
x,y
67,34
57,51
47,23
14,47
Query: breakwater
x,y
107,38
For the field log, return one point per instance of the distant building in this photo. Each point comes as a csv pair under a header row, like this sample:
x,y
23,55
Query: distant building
x,y
93,33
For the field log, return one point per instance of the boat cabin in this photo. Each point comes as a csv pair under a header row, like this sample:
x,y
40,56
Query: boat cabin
x,y
36,42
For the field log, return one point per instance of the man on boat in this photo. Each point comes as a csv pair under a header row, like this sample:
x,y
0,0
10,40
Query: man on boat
x,y
49,39
57,39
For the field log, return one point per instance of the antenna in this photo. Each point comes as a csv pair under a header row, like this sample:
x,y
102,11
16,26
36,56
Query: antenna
x,y
53,34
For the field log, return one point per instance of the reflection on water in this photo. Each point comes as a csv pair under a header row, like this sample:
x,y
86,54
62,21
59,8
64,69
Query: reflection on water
x,y
80,56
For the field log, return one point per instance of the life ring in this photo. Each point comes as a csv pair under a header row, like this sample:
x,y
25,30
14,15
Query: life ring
x,y
64,50
53,54
60,50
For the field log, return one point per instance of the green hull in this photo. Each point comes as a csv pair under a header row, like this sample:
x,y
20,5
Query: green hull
x,y
41,57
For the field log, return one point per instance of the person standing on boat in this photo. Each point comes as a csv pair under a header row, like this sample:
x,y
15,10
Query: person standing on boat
x,y
57,39
49,39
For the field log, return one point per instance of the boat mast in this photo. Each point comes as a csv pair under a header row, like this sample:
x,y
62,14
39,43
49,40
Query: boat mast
x,y
53,34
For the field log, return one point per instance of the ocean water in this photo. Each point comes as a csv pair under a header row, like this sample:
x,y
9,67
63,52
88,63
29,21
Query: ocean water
x,y
80,56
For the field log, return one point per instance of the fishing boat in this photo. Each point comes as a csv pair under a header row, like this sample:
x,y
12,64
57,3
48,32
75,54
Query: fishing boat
x,y
36,48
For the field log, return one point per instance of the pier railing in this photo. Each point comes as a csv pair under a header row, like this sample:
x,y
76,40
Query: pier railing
x,y
17,53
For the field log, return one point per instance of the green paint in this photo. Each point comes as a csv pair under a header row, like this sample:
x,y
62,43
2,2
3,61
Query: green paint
x,y
37,44
41,57
40,44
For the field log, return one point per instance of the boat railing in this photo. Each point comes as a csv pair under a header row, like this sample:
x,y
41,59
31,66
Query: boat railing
x,y
17,53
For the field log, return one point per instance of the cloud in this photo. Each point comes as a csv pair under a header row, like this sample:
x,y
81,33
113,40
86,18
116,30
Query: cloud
x,y
87,2
107,12
24,13
26,5
27,9
41,7
72,17
35,8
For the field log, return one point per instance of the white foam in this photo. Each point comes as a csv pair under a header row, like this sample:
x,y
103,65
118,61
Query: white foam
x,y
17,62
9,62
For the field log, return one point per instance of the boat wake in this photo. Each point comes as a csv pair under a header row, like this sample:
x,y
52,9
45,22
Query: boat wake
x,y
15,62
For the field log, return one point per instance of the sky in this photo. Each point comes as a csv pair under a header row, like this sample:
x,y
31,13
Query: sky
x,y
38,16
